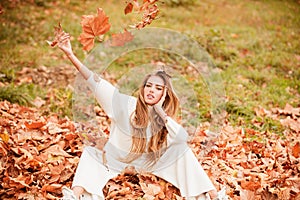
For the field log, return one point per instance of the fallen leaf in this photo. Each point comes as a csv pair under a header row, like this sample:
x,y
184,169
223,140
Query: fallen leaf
x,y
296,150
56,150
4,136
52,188
150,189
34,125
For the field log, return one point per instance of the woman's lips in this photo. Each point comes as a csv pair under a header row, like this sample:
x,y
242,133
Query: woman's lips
x,y
150,96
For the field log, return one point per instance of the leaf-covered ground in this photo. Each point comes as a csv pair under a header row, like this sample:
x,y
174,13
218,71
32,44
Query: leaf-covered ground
x,y
39,155
255,43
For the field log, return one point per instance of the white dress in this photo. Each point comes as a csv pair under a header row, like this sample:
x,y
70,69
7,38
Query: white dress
x,y
178,165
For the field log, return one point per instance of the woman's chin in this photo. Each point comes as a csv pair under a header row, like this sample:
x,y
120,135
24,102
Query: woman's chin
x,y
150,103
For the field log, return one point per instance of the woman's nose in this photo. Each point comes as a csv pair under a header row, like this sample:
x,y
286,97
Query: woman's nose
x,y
151,89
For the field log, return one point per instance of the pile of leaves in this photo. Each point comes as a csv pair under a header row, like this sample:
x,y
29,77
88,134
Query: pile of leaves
x,y
132,185
45,77
39,155
252,164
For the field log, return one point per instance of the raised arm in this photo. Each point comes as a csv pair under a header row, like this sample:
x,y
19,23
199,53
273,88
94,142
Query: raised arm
x,y
65,45
107,95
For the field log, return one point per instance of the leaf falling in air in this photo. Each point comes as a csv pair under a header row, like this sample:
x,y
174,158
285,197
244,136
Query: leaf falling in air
x,y
128,8
148,9
119,39
93,26
57,30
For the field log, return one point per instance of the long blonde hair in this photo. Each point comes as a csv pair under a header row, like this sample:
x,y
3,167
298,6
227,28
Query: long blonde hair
x,y
141,117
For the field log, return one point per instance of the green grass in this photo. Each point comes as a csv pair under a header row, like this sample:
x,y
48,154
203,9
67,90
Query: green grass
x,y
22,94
255,44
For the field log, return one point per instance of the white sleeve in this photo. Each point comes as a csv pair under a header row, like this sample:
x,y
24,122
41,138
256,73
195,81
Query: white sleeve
x,y
176,133
108,96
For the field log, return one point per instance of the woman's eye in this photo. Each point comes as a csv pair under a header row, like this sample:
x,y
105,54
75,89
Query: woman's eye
x,y
148,85
159,88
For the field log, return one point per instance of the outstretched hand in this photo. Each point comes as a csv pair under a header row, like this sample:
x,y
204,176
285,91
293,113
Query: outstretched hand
x,y
63,42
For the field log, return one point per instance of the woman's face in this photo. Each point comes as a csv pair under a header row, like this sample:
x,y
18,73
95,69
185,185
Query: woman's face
x,y
153,90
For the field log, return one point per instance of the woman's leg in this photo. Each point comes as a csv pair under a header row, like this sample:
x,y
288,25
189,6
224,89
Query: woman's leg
x,y
91,175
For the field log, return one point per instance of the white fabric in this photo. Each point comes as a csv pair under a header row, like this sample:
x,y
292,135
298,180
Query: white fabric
x,y
178,165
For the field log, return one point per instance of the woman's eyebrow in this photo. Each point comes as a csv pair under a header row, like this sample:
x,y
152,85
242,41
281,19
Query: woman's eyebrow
x,y
148,82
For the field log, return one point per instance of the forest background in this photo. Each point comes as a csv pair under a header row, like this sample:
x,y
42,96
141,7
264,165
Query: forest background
x,y
254,45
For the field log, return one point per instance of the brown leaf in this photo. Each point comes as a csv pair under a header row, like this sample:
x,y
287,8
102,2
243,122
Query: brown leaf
x,y
290,110
296,150
250,185
120,39
4,136
150,189
57,30
291,123
52,188
34,125
128,8
56,150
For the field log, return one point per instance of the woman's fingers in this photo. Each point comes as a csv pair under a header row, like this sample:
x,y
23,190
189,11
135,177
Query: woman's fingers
x,y
163,97
64,38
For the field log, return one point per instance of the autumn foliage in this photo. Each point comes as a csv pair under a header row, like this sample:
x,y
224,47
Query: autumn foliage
x,y
39,154
95,26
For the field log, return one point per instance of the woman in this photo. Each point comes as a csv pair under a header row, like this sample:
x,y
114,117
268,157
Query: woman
x,y
143,134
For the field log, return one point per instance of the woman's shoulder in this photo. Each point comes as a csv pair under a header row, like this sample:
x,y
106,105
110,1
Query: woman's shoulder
x,y
131,103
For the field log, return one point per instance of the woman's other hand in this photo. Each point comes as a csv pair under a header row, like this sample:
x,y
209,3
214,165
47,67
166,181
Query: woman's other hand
x,y
163,98
158,107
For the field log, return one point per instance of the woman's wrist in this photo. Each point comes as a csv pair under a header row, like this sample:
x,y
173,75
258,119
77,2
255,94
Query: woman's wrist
x,y
69,54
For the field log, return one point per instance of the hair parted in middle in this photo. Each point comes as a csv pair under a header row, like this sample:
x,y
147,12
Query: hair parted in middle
x,y
141,118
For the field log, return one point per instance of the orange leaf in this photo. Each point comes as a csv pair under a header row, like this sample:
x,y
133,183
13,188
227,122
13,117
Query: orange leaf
x,y
4,136
100,23
34,125
120,39
92,26
52,187
250,185
296,150
87,41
